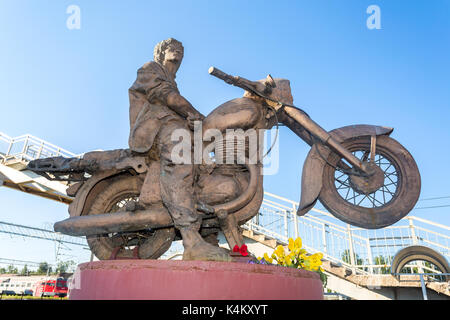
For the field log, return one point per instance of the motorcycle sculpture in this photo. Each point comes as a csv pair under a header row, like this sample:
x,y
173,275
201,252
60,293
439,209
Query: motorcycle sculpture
x,y
360,174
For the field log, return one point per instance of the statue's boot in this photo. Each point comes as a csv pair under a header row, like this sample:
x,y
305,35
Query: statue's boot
x,y
195,248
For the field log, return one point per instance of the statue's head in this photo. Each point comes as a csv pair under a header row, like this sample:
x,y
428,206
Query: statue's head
x,y
169,51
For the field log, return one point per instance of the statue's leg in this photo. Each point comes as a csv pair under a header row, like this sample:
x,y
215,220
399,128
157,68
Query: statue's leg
x,y
177,193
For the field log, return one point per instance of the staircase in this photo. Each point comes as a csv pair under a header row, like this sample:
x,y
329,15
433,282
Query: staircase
x,y
15,153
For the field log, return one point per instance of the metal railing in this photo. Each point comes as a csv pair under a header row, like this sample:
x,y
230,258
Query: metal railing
x,y
28,147
362,250
423,277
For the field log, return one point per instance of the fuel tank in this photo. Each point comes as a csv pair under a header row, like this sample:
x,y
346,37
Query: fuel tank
x,y
241,113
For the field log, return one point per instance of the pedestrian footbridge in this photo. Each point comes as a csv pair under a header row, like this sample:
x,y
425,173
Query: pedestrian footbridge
x,y
357,261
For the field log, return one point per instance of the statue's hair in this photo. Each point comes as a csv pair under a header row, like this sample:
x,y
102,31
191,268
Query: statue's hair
x,y
158,52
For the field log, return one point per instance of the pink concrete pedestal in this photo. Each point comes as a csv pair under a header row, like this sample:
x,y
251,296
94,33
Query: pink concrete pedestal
x,y
191,280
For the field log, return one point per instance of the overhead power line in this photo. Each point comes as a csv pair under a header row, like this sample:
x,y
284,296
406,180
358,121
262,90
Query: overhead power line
x,y
433,207
20,262
38,233
435,198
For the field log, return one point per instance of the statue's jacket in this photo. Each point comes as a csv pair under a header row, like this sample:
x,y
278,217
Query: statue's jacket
x,y
148,96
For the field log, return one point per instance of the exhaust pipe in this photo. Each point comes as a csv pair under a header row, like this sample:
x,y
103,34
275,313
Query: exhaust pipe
x,y
114,222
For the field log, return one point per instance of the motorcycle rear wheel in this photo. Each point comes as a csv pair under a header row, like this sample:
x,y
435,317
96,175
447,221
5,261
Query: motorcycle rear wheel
x,y
142,244
389,203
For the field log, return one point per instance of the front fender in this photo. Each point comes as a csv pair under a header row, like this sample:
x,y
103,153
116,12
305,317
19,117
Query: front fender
x,y
315,164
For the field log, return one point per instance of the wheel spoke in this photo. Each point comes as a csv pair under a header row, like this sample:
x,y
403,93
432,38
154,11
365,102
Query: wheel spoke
x,y
380,197
371,200
365,196
365,156
343,184
391,180
390,174
354,197
343,174
389,191
342,187
348,191
385,170
374,199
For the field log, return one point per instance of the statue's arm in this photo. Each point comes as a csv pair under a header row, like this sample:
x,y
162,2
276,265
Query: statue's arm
x,y
152,83
180,105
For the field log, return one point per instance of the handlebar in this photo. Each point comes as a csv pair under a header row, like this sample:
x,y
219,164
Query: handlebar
x,y
235,81
245,84
220,74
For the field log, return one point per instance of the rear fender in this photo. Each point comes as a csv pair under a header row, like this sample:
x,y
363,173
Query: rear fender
x,y
315,164
88,188
108,164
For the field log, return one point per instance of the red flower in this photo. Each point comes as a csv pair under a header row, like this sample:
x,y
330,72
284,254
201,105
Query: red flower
x,y
243,250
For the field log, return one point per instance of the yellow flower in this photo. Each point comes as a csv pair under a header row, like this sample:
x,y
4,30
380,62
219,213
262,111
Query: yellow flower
x,y
298,243
279,251
295,256
316,259
267,258
307,265
287,260
291,245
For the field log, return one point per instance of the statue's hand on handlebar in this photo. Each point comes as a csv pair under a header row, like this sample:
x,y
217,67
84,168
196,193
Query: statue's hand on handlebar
x,y
255,86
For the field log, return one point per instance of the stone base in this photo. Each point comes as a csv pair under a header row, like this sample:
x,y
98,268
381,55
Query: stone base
x,y
191,280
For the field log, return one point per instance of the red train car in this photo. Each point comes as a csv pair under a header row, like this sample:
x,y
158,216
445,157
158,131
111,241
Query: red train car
x,y
51,288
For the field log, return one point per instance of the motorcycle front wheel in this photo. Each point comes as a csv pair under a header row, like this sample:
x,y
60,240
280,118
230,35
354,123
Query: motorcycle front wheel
x,y
374,202
142,244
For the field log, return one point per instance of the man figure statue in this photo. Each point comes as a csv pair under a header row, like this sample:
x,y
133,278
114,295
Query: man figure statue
x,y
156,110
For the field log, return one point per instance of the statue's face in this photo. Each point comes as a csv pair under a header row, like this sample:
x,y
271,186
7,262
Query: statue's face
x,y
173,54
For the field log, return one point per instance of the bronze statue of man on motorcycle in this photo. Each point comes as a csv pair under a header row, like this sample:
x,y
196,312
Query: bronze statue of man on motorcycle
x,y
133,203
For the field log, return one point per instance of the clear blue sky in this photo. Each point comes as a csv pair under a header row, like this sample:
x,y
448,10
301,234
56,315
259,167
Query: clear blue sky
x,y
69,87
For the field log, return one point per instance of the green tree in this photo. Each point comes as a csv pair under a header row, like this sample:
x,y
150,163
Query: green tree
x,y
24,271
381,260
65,266
424,270
346,257
12,269
43,268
